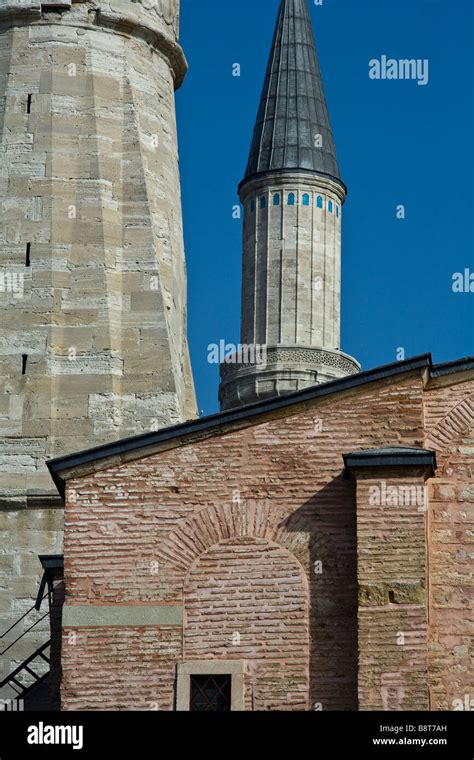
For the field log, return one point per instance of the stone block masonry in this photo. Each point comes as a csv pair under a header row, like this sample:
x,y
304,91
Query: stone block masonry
x,y
93,342
392,578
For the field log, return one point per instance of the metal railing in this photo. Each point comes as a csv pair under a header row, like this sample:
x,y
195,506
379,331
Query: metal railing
x,y
28,676
17,622
20,687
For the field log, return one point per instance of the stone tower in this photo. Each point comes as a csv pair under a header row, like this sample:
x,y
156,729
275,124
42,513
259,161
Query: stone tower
x,y
292,195
93,343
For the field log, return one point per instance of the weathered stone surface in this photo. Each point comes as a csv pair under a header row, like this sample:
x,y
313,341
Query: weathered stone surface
x,y
92,272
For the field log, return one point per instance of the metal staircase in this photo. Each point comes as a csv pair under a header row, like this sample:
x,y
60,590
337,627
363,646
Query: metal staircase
x,y
31,673
34,683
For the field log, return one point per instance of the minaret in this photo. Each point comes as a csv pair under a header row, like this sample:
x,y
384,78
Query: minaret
x,y
292,195
93,340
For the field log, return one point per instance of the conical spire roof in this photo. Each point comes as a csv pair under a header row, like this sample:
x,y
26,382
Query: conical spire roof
x,y
293,111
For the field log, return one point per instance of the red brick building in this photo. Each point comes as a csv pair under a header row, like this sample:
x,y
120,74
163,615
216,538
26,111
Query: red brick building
x,y
305,552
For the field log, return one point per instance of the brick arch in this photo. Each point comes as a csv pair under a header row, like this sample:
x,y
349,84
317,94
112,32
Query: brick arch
x,y
457,421
214,524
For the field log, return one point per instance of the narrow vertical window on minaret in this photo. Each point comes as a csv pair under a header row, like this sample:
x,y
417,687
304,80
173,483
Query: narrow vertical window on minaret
x,y
24,360
28,104
28,253
276,199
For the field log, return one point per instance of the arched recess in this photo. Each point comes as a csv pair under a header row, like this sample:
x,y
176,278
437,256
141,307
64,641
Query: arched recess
x,y
246,598
312,542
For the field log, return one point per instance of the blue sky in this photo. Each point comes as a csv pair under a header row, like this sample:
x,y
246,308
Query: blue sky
x,y
397,143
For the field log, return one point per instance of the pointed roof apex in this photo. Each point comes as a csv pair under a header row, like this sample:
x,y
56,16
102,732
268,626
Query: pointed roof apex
x,y
293,111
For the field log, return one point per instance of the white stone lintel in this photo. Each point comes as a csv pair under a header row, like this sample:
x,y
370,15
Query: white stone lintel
x,y
130,616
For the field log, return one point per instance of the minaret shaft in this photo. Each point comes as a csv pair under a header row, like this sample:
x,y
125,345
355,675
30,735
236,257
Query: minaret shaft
x,y
93,346
292,197
289,252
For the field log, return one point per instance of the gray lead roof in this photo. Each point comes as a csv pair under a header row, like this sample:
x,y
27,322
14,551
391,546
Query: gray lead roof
x,y
292,107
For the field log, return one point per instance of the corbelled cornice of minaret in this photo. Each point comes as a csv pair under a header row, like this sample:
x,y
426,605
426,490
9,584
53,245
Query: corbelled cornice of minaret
x,y
156,22
293,130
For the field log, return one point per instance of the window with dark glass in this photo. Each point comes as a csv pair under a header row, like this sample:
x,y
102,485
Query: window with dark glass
x,y
210,693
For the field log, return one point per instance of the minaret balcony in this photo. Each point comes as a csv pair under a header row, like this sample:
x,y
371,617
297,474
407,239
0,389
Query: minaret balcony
x,y
278,371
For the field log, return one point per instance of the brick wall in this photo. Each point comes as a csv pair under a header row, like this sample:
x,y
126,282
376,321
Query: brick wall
x,y
152,531
120,669
257,531
449,412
